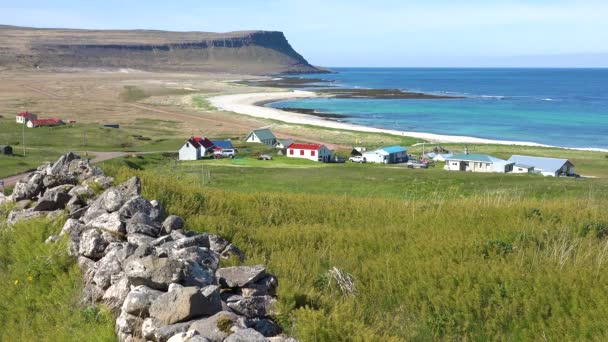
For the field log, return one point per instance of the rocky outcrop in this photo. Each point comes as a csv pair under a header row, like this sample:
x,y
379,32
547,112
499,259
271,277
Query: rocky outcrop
x,y
257,52
163,283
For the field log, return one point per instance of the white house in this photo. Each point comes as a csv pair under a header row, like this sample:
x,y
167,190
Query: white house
x,y
191,150
283,143
386,155
477,163
262,136
314,152
24,117
553,167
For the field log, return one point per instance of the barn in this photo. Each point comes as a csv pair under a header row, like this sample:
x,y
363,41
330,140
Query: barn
x,y
24,117
44,123
553,167
314,152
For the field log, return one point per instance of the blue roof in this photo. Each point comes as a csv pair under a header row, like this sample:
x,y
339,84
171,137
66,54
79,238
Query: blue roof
x,y
540,163
475,157
393,149
222,143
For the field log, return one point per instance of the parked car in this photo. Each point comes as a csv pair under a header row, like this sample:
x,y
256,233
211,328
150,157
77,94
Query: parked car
x,y
357,159
265,157
337,159
416,164
225,153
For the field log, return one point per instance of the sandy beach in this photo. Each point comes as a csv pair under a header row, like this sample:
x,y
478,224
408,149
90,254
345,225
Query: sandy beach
x,y
249,104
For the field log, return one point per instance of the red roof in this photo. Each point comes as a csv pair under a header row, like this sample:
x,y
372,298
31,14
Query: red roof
x,y
206,143
46,122
194,143
305,146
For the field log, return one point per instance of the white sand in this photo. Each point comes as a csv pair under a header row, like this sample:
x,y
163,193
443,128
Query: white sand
x,y
246,104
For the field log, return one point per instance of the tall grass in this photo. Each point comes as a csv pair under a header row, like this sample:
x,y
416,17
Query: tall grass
x,y
41,286
485,267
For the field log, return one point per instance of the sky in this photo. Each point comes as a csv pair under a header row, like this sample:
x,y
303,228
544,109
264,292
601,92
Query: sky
x,y
571,33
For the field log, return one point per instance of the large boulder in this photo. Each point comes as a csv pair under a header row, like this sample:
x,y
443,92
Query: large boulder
x,y
154,272
173,222
24,215
112,200
240,276
197,275
154,330
186,303
108,222
29,187
117,292
246,335
92,245
52,200
262,287
128,324
187,336
138,301
135,205
259,306
211,330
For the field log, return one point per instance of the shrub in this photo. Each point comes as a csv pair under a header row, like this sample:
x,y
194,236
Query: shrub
x,y
598,229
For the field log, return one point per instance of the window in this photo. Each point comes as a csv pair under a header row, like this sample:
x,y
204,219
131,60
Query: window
x,y
312,153
291,151
301,152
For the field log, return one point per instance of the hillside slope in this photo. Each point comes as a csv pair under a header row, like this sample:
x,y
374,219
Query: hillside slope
x,y
255,52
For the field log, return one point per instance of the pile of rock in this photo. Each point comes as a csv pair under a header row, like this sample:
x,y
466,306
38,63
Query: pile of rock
x,y
163,282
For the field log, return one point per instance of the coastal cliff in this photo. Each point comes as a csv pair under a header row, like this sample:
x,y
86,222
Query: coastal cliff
x,y
257,52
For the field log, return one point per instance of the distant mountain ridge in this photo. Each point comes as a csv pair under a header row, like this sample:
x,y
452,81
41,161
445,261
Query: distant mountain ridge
x,y
256,52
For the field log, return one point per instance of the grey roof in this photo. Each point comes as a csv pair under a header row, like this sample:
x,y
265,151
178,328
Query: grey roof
x,y
263,134
540,163
524,166
285,142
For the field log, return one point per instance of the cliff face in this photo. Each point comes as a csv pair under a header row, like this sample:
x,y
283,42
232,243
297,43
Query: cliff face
x,y
256,52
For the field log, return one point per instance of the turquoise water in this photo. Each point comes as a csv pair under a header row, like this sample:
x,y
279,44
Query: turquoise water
x,y
563,107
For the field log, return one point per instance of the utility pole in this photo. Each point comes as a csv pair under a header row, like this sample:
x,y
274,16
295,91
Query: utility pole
x,y
23,135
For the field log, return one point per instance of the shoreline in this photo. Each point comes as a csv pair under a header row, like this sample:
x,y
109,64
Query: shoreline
x,y
253,104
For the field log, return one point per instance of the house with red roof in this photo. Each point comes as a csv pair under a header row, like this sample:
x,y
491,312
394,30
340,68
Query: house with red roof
x,y
24,117
196,148
314,152
44,123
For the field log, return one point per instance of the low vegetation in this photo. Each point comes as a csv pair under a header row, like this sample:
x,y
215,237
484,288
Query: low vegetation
x,y
41,289
132,94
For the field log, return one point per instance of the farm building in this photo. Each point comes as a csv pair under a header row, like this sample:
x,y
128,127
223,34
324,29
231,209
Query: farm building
x,y
386,155
44,123
521,168
283,143
6,150
314,152
24,117
553,167
262,136
191,150
477,163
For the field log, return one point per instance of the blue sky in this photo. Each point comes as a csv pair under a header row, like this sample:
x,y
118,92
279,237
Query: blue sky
x,y
365,33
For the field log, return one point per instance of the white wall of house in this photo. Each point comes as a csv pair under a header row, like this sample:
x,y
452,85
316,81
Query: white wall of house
x,y
323,153
189,152
252,138
519,169
29,124
377,156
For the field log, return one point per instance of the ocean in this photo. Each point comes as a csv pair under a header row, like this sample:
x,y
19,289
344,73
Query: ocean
x,y
560,107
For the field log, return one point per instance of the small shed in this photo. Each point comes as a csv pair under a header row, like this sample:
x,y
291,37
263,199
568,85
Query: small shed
x,y
6,150
262,136
314,152
191,150
283,143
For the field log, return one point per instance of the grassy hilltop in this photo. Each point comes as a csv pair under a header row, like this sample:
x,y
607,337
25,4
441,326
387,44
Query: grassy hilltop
x,y
434,255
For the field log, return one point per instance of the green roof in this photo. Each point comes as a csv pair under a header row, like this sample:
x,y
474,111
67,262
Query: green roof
x,y
264,134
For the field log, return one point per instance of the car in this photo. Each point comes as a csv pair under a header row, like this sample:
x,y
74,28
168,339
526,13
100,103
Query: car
x,y
416,164
357,159
225,153
265,157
